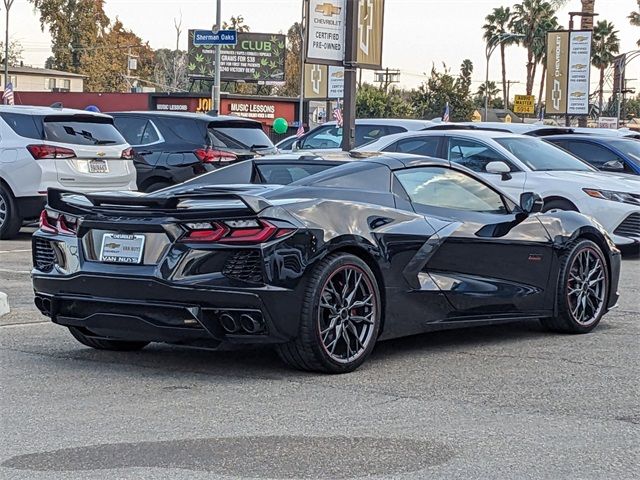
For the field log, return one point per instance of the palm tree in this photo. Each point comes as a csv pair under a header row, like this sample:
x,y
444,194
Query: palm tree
x,y
634,19
529,19
498,24
236,23
493,91
606,45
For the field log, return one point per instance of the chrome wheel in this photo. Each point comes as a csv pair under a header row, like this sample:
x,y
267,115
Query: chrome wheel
x,y
3,210
347,314
586,287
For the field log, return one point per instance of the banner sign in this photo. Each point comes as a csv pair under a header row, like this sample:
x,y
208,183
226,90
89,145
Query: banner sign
x,y
336,82
256,58
326,31
323,82
370,29
568,72
618,72
524,104
579,69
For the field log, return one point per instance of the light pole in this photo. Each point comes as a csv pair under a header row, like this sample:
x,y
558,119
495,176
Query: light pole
x,y
7,7
626,58
215,93
492,44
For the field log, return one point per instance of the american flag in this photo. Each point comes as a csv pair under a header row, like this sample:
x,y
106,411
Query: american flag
x,y
445,117
337,115
300,131
7,95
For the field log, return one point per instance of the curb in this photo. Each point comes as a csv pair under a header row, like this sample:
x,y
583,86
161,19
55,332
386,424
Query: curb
x,y
4,304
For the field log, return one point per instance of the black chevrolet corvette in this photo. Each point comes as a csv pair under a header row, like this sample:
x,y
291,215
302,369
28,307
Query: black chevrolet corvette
x,y
322,268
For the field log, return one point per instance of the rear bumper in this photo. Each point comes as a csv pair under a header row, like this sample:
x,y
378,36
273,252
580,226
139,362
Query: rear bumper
x,y
30,207
146,309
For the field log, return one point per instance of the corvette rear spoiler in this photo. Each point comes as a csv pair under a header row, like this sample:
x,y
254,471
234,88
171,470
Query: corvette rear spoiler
x,y
75,203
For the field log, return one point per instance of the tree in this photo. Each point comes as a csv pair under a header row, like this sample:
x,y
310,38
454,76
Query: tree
x,y
292,62
634,19
236,23
15,53
430,100
170,70
493,92
606,45
498,22
548,25
373,102
529,20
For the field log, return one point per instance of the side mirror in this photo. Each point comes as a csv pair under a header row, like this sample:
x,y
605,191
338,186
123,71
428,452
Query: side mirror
x,y
499,168
613,166
531,202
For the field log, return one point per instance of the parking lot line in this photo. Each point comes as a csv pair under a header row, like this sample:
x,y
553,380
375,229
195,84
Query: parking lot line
x,y
15,251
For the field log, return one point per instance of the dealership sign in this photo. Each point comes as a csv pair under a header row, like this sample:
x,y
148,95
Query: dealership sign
x,y
568,72
256,58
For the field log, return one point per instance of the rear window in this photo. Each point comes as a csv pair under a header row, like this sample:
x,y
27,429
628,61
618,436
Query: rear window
x,y
92,131
240,136
367,176
281,174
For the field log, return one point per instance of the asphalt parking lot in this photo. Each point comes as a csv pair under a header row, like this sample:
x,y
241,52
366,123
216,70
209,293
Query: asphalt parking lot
x,y
509,402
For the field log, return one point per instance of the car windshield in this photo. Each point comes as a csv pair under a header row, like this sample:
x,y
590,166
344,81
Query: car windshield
x,y
239,137
540,155
630,148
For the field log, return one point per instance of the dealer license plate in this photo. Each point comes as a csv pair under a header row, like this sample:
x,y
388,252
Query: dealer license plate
x,y
122,248
98,166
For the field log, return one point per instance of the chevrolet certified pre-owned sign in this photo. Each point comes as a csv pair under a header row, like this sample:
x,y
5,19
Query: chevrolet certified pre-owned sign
x,y
557,59
578,76
326,31
370,27
315,81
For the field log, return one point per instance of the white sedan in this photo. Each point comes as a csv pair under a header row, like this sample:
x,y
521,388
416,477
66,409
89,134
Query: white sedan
x,y
518,163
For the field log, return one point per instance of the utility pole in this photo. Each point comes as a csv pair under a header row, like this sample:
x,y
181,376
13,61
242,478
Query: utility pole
x,y
350,76
506,100
303,47
7,6
215,92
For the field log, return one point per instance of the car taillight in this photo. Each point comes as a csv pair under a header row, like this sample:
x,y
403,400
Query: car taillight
x,y
46,152
210,155
62,224
127,154
235,231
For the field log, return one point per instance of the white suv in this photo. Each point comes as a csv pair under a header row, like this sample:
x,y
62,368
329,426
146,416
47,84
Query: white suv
x,y
42,147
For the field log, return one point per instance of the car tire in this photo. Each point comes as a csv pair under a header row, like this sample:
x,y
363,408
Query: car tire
x,y
10,221
104,344
558,205
154,187
582,291
341,308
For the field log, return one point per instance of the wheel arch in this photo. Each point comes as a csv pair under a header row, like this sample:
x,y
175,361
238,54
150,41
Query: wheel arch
x,y
154,179
551,198
5,184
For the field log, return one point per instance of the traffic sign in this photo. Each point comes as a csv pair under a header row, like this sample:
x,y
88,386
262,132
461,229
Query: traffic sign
x,y
524,104
221,37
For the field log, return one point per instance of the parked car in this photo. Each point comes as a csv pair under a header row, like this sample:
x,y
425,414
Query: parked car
x,y
541,130
43,147
171,147
323,268
518,163
329,135
287,143
608,153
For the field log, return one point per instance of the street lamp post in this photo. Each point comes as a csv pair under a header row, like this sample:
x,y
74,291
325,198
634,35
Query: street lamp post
x,y
215,94
492,44
626,59
7,7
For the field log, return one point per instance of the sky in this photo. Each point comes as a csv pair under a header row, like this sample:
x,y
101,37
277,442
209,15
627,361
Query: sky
x,y
418,33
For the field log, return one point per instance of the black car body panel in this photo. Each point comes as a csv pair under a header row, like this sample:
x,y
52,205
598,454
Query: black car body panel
x,y
436,269
166,143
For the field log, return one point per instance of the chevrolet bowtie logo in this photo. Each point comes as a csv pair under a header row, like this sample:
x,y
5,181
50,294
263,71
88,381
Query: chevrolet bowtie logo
x,y
316,79
365,24
580,38
328,9
556,94
579,66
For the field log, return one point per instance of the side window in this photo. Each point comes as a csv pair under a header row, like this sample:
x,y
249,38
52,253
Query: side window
x,y
369,133
592,153
442,187
418,146
136,130
324,137
473,155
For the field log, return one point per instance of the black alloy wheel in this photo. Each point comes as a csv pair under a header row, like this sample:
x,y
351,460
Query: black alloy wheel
x,y
340,319
583,289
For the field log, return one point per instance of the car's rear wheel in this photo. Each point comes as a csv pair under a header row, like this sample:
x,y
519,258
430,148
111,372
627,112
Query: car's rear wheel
x,y
105,344
583,287
10,221
340,317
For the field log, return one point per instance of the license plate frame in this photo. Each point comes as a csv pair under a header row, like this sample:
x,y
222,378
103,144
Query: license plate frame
x,y
98,165
122,248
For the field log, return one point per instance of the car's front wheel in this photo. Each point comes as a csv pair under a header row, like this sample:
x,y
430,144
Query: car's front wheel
x,y
340,317
10,221
106,344
583,287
